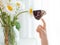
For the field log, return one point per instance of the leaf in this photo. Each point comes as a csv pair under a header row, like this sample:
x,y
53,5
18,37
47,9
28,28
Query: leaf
x,y
17,25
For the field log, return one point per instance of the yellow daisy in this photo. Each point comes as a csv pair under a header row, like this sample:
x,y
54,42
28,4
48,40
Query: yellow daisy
x,y
30,11
9,7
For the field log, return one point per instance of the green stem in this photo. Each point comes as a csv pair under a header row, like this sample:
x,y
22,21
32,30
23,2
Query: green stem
x,y
1,22
1,10
21,13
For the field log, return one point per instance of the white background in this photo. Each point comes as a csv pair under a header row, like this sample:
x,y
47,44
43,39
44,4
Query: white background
x,y
52,19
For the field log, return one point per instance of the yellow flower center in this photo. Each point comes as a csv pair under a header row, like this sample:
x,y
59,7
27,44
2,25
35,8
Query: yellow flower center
x,y
18,4
30,11
9,7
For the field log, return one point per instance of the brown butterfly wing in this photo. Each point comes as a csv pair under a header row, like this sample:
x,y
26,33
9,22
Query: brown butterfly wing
x,y
37,14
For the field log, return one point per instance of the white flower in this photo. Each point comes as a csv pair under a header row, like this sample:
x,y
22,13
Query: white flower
x,y
20,5
9,7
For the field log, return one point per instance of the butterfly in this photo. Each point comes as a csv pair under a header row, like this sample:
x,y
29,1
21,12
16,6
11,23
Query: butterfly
x,y
38,14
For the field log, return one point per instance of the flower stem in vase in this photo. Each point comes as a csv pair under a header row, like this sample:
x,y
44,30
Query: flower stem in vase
x,y
6,35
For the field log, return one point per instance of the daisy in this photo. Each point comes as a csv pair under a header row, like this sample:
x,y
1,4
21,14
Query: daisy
x,y
9,7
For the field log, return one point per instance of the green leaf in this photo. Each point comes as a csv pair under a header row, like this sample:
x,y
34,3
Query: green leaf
x,y
17,25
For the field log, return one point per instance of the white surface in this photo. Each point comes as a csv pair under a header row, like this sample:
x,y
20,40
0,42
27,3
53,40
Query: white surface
x,y
1,36
52,19
27,41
